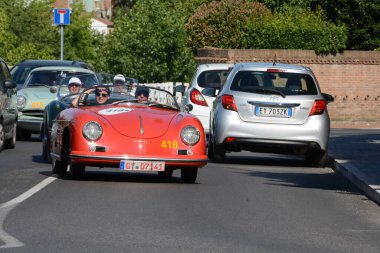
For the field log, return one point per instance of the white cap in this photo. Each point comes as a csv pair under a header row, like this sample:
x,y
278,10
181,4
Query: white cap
x,y
74,80
119,77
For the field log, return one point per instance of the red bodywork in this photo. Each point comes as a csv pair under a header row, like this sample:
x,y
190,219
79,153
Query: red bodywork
x,y
130,132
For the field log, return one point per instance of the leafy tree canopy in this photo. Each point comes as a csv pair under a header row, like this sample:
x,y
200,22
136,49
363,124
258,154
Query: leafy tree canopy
x,y
149,43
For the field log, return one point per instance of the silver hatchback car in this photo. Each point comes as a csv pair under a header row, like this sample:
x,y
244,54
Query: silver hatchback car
x,y
270,108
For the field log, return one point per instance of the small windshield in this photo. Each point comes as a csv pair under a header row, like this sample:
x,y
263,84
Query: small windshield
x,y
128,94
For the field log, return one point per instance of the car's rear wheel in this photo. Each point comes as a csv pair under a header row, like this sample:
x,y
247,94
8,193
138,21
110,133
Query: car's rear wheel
x,y
76,171
165,175
219,153
11,142
317,158
189,175
58,167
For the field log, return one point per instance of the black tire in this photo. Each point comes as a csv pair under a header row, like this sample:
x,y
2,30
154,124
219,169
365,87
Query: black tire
x,y
22,134
189,175
45,143
210,148
317,158
219,154
59,167
76,171
11,142
2,136
165,175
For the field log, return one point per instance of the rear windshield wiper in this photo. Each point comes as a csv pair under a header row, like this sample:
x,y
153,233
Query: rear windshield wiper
x,y
269,91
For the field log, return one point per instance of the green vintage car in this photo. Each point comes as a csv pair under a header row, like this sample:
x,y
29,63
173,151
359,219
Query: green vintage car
x,y
39,89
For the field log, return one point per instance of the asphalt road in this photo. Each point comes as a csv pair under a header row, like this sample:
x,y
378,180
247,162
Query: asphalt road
x,y
249,204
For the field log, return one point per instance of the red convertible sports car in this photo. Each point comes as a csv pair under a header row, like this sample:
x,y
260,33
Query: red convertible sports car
x,y
133,128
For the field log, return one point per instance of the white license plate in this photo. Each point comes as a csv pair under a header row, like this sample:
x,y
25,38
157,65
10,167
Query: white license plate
x,y
273,112
142,165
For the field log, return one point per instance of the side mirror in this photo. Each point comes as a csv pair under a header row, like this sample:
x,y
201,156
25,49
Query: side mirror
x,y
329,98
188,108
53,89
9,84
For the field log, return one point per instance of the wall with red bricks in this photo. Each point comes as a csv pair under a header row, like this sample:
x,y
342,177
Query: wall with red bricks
x,y
352,77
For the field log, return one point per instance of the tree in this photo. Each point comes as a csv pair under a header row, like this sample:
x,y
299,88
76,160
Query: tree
x,y
149,43
362,17
251,25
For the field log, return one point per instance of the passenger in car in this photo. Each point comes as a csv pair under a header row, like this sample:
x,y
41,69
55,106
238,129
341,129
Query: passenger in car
x,y
142,94
74,85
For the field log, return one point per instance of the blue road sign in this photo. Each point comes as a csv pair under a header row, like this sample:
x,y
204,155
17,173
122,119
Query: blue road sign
x,y
61,16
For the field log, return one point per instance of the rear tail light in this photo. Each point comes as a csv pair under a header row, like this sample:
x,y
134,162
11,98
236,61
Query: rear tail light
x,y
319,107
228,102
197,98
230,139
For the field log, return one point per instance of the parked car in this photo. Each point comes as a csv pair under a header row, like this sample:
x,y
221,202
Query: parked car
x,y
21,70
205,76
40,89
8,108
272,108
127,133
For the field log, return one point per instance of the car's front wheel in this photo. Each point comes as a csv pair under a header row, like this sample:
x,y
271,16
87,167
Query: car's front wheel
x,y
45,143
189,175
11,142
76,171
58,167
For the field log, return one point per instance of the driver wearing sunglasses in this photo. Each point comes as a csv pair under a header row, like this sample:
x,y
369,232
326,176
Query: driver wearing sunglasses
x,y
102,95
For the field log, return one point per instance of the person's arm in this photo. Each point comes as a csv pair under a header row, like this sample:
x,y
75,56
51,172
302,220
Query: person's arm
x,y
75,100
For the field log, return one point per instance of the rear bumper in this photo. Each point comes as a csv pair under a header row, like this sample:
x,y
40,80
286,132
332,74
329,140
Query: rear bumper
x,y
314,133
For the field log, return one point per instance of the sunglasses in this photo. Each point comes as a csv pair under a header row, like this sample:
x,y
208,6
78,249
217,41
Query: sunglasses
x,y
98,94
75,84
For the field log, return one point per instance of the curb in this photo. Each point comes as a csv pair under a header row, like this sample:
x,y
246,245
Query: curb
x,y
357,178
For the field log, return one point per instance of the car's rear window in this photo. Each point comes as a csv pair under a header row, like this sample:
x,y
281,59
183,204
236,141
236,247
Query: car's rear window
x,y
212,78
287,83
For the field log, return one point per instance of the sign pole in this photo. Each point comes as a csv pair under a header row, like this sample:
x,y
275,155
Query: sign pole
x,y
62,42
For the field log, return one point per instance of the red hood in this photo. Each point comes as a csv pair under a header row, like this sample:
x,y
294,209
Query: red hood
x,y
138,122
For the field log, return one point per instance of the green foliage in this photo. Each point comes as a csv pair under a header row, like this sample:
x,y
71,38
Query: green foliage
x,y
361,18
222,24
296,28
150,44
250,25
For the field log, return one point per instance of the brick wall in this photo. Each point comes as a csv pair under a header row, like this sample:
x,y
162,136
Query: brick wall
x,y
352,77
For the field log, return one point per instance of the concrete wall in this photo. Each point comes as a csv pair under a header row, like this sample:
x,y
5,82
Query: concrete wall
x,y
352,77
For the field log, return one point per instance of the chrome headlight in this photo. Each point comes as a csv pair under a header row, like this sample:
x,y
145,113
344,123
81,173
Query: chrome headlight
x,y
21,102
190,135
92,131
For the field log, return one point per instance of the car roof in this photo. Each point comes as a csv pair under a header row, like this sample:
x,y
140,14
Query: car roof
x,y
63,68
49,62
211,66
248,65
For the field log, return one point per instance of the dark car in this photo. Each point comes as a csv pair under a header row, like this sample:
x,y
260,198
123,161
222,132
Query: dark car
x,y
21,70
8,108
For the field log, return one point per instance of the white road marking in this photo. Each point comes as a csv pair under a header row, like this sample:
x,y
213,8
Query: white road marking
x,y
5,208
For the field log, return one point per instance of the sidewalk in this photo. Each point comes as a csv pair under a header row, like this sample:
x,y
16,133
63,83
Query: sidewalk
x,y
355,152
